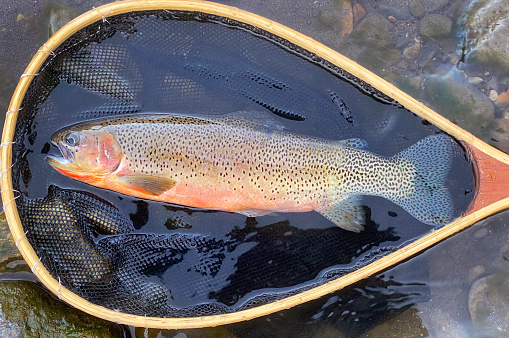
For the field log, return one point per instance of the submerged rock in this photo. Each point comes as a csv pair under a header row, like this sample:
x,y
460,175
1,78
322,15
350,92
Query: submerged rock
x,y
8,329
409,86
393,8
416,8
373,34
503,99
373,30
493,95
412,51
499,137
379,58
435,26
358,13
488,303
435,5
59,15
486,30
464,104
339,18
26,305
408,324
7,248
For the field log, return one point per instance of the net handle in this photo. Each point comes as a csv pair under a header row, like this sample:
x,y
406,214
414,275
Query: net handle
x,y
102,13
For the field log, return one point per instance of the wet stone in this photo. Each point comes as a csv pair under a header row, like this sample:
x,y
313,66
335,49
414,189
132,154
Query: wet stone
x,y
486,29
475,80
434,5
8,249
413,51
408,324
416,82
416,8
59,15
26,305
373,30
338,18
488,302
455,99
503,99
358,13
403,83
435,26
482,232
8,329
500,134
394,8
379,58
475,272
453,264
493,95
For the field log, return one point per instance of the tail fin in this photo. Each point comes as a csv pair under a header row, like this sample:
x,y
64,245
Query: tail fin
x,y
431,202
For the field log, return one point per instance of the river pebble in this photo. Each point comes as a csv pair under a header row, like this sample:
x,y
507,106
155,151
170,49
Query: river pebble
x,y
493,95
416,8
475,80
503,99
358,13
373,30
412,51
435,26
338,18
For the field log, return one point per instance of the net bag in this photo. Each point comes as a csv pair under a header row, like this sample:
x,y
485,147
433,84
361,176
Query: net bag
x,y
156,264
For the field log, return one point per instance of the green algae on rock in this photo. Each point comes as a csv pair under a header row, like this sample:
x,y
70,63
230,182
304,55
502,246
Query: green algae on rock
x,y
41,315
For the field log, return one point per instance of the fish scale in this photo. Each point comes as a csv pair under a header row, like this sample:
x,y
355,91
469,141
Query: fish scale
x,y
233,164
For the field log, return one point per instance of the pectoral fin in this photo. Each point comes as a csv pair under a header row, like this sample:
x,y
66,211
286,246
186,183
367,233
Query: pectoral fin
x,y
151,185
347,214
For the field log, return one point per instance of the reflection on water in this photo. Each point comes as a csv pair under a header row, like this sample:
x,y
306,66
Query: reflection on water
x,y
432,294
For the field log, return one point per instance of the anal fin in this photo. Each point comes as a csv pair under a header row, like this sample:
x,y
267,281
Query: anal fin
x,y
152,185
347,214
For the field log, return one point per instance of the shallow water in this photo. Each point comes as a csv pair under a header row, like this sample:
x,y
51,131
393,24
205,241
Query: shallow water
x,y
427,295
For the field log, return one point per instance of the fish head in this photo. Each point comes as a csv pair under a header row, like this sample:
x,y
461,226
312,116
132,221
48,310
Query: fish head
x,y
86,154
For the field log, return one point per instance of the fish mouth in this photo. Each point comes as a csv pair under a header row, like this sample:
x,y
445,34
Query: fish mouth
x,y
60,161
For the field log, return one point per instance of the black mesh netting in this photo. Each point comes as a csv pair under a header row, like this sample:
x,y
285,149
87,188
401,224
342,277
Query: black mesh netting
x,y
156,259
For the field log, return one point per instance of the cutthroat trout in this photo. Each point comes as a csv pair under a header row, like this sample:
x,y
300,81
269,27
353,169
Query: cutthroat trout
x,y
232,164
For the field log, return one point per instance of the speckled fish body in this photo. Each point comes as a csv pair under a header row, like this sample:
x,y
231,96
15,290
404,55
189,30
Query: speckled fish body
x,y
232,164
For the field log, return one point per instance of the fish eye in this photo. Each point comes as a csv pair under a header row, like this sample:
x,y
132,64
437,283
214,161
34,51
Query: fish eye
x,y
72,139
